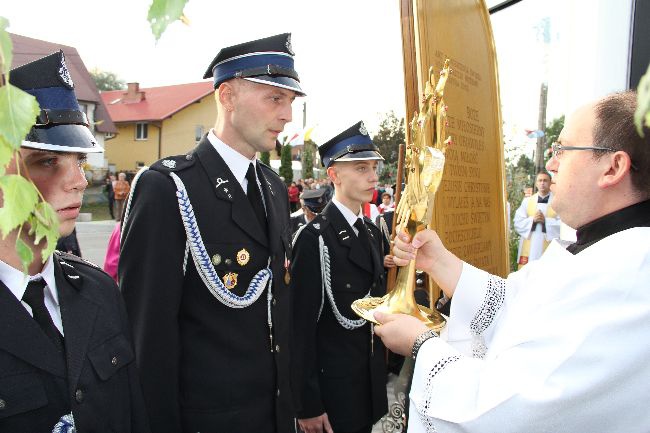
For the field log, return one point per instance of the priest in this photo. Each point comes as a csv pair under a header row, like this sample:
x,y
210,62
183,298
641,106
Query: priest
x,y
561,345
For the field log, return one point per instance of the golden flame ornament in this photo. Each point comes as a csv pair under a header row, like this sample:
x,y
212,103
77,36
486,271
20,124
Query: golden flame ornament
x,y
424,166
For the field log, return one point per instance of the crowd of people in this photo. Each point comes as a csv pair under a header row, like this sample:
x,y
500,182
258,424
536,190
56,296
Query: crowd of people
x,y
230,317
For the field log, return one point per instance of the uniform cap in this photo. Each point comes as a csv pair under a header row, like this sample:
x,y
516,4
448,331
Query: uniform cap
x,y
353,144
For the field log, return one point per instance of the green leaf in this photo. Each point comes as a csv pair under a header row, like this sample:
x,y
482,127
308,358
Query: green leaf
x,y
6,153
19,198
642,114
5,47
25,254
162,13
18,110
44,223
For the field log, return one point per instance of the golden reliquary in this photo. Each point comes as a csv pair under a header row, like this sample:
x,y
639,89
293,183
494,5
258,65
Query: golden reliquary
x,y
424,165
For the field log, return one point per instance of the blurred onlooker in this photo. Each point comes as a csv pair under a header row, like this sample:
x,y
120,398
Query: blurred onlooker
x,y
121,190
294,196
385,203
113,252
110,193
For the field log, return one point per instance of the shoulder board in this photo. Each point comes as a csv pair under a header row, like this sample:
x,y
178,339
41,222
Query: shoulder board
x,y
369,221
174,163
75,259
318,224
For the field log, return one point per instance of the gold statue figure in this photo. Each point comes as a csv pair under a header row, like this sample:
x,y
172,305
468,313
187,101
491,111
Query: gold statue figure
x,y
424,165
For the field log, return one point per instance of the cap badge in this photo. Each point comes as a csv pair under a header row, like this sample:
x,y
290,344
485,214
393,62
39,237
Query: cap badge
x,y
317,226
64,75
288,45
169,163
363,130
243,257
230,280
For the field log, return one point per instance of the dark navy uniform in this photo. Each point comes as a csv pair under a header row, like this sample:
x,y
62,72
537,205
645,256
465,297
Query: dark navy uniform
x,y
339,367
97,382
207,367
70,364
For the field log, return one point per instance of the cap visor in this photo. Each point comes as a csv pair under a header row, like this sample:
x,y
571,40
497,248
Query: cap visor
x,y
278,81
363,155
62,138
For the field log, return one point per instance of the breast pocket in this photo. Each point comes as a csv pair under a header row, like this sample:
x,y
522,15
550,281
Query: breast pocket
x,y
110,356
20,393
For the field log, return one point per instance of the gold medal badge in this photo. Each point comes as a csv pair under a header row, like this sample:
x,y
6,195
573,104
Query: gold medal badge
x,y
230,280
243,257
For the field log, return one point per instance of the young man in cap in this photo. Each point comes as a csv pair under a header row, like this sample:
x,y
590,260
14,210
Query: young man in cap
x,y
561,345
204,266
65,352
339,370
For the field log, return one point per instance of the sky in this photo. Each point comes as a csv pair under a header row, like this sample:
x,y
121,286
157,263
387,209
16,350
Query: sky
x,y
348,52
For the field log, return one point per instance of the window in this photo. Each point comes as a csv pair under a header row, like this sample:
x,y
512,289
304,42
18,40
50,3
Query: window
x,y
109,135
139,164
198,132
141,131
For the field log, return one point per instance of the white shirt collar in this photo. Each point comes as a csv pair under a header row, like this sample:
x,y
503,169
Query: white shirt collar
x,y
236,162
349,216
16,281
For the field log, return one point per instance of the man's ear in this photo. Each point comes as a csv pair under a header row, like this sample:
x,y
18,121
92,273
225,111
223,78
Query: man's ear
x,y
333,174
226,95
616,168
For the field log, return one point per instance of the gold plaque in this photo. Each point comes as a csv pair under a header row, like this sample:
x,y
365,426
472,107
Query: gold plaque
x,y
216,259
243,257
230,280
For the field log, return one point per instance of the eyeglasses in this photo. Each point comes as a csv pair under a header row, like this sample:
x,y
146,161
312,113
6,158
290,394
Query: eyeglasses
x,y
558,148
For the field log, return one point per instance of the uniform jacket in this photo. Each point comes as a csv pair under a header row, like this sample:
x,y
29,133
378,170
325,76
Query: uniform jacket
x,y
336,370
99,379
207,367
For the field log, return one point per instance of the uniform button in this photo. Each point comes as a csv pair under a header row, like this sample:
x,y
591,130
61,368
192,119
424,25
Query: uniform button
x,y
188,156
79,396
274,302
374,284
324,217
228,262
277,347
114,360
347,286
2,404
278,392
216,260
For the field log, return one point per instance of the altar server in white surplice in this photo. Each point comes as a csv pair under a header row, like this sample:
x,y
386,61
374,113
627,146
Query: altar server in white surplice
x,y
561,345
536,221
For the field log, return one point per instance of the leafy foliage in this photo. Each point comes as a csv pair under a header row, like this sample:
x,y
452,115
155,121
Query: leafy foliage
x,y
20,198
308,159
553,129
642,114
265,157
390,135
164,12
106,80
285,164
519,177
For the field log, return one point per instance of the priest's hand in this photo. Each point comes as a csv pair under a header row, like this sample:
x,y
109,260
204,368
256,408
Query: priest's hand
x,y
539,217
399,331
318,424
431,256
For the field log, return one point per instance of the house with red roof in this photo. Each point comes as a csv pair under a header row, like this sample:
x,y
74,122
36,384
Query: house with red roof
x,y
156,122
26,50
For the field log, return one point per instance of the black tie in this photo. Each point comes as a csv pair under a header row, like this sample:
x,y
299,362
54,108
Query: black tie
x,y
34,297
255,197
365,239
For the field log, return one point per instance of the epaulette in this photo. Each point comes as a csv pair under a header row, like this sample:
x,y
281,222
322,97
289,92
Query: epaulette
x,y
174,163
368,220
76,259
318,224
